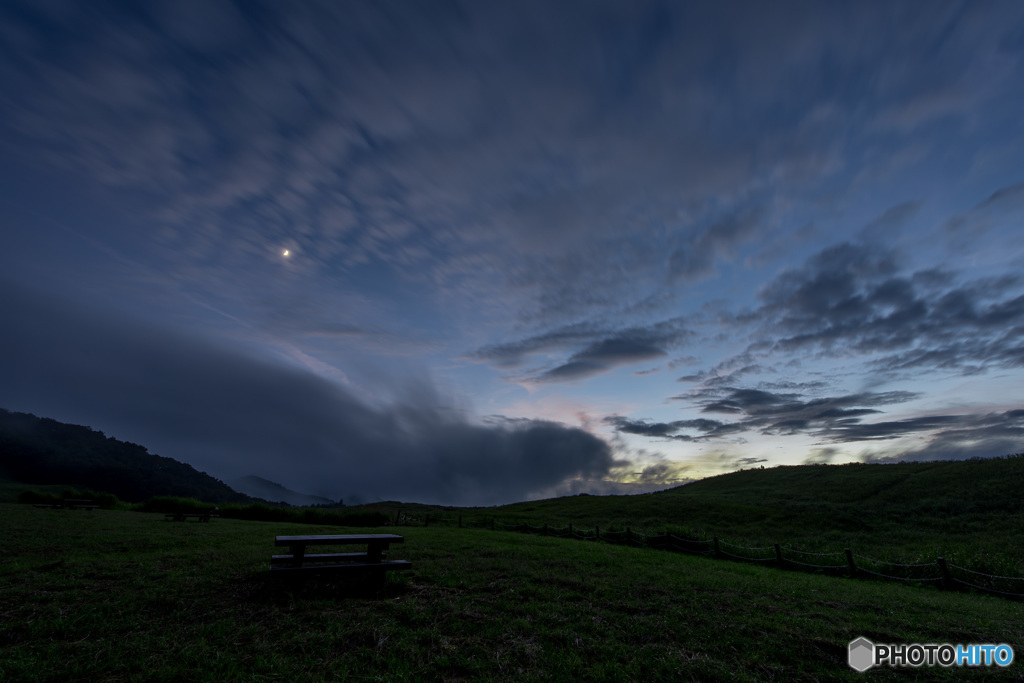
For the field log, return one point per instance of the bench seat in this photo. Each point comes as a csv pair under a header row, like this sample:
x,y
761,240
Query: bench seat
x,y
321,557
384,566
300,563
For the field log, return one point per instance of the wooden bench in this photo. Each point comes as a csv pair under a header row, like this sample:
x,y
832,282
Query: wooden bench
x,y
182,516
372,561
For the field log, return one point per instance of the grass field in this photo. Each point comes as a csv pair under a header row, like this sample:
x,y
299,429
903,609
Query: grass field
x,y
118,595
969,512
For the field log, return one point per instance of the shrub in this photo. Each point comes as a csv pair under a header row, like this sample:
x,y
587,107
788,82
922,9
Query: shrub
x,y
104,500
168,504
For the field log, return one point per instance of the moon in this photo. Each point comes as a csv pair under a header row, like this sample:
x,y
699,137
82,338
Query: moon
x,y
285,253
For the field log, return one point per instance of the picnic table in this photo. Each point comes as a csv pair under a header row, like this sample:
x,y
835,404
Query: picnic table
x,y
372,561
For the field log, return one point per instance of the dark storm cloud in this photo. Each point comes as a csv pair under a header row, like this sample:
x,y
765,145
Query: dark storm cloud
x,y
852,300
232,414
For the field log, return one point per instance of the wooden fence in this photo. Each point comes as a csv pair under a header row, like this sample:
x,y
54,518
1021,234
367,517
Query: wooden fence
x,y
938,573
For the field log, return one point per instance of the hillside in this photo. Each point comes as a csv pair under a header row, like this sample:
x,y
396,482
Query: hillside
x,y
960,486
259,487
842,495
42,451
969,510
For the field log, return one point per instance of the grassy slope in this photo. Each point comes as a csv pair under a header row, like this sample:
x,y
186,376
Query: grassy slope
x,y
971,513
111,595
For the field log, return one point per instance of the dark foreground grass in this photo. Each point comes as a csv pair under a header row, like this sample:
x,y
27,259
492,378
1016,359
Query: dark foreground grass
x,y
116,595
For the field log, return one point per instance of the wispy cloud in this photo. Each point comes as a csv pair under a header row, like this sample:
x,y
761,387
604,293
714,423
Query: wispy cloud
x,y
357,137
600,349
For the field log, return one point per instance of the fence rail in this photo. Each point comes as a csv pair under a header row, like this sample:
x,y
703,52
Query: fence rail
x,y
939,573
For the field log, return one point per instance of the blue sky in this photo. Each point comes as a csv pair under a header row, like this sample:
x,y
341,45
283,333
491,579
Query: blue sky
x,y
481,252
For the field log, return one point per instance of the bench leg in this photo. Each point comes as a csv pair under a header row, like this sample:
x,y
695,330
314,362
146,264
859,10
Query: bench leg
x,y
379,578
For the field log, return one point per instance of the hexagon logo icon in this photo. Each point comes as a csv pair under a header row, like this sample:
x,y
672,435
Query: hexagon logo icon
x,y
861,654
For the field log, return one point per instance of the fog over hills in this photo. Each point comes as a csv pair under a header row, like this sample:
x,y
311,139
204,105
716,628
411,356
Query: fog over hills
x,y
258,487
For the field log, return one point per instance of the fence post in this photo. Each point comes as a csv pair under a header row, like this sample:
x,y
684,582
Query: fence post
x,y
778,554
398,517
849,561
426,520
597,532
947,579
627,535
570,529
718,552
545,531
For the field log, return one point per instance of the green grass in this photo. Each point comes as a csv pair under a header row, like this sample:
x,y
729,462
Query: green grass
x,y
118,595
969,512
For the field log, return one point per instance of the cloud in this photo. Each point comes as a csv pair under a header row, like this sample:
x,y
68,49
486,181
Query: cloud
x,y
852,300
892,219
706,429
1004,200
966,436
233,414
555,181
836,420
697,257
849,431
511,354
603,349
822,455
603,355
747,462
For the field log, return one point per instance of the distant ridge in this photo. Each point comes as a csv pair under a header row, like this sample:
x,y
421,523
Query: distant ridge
x,y
259,487
39,450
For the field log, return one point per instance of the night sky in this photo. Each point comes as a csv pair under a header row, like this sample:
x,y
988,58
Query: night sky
x,y
473,253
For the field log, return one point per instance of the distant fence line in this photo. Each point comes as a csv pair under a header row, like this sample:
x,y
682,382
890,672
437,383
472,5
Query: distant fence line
x,y
842,563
